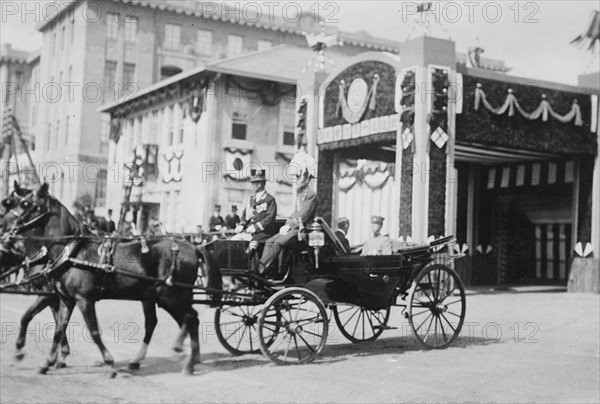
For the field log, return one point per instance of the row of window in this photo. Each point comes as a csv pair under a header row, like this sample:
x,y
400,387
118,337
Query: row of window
x,y
204,41
110,77
59,36
130,27
53,138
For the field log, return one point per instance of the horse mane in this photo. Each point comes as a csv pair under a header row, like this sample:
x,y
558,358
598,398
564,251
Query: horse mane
x,y
68,222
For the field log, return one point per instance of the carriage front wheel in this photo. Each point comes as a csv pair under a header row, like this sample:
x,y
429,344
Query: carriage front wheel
x,y
300,332
436,306
358,324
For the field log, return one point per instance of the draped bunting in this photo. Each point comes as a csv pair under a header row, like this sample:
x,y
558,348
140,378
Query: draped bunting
x,y
196,103
116,126
544,109
369,101
270,92
374,178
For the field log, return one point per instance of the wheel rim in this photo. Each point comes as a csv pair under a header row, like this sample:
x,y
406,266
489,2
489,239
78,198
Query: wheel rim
x,y
299,333
358,324
237,327
436,307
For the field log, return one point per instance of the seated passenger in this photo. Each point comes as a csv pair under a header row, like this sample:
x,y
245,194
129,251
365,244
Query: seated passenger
x,y
258,218
304,213
343,224
378,244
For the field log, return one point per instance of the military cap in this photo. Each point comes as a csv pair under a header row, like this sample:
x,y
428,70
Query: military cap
x,y
258,176
217,207
233,207
377,219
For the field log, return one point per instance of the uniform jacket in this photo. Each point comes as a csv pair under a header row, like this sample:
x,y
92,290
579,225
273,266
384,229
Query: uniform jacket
x,y
378,245
232,221
260,212
342,237
305,210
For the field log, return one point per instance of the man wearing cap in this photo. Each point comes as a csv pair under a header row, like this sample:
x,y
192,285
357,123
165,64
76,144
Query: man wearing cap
x,y
216,221
232,219
258,217
304,213
378,244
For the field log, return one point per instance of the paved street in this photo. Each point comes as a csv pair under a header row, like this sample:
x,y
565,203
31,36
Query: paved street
x,y
515,347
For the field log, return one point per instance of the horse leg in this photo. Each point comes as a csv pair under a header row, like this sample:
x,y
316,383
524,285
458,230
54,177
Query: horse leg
x,y
64,315
192,322
150,322
65,350
40,304
88,310
183,331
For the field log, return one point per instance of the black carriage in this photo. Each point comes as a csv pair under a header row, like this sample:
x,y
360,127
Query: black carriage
x,y
287,318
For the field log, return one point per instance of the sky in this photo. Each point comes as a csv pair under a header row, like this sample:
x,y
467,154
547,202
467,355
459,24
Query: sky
x,y
530,37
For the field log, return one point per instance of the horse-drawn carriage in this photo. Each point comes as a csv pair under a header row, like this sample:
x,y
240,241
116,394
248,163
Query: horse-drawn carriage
x,y
287,317
288,320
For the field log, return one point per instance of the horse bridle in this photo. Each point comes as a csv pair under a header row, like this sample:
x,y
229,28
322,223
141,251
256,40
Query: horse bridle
x,y
23,219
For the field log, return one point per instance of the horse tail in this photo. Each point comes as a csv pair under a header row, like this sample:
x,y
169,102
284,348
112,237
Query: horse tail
x,y
213,272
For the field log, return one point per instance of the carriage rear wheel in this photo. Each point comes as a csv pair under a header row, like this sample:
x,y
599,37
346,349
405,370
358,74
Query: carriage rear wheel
x,y
436,306
301,331
237,326
358,324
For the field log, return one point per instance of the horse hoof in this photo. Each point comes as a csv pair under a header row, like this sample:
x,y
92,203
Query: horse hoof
x,y
61,365
43,371
19,356
134,366
187,372
178,349
113,374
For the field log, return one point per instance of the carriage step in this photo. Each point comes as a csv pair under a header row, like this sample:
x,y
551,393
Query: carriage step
x,y
385,327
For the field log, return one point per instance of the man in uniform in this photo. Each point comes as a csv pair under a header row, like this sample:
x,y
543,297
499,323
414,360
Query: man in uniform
x,y
343,224
378,244
257,221
216,221
304,213
232,219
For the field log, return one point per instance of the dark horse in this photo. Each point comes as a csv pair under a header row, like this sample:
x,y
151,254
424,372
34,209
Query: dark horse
x,y
138,276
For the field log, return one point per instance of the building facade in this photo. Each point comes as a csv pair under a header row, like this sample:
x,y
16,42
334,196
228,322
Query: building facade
x,y
95,53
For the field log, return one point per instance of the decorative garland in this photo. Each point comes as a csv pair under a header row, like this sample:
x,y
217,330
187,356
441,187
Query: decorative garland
x,y
511,102
438,117
407,111
370,101
373,177
196,102
270,92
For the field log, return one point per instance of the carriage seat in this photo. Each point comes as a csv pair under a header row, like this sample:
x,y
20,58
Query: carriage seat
x,y
330,234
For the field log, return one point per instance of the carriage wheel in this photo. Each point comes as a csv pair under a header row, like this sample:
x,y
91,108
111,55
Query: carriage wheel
x,y
301,331
436,306
237,327
358,324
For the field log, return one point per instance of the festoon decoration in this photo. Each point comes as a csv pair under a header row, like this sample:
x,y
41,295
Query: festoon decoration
x,y
269,92
143,165
360,97
174,172
116,127
544,109
374,177
438,109
406,106
237,164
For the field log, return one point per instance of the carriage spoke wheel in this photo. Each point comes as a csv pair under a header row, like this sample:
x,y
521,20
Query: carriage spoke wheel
x,y
301,331
358,324
237,327
436,307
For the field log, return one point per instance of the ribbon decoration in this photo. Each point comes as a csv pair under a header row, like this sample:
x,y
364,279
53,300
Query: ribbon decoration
x,y
511,103
373,178
369,101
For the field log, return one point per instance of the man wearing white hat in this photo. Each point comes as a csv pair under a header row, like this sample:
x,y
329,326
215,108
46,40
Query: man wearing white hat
x,y
304,212
378,244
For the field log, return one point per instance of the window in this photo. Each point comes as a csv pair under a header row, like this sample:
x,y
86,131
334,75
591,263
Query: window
x,y
70,77
110,76
100,194
131,27
63,35
54,43
72,26
239,123
171,125
263,45
204,42
57,136
234,45
66,130
49,136
288,117
128,77
154,125
172,36
180,122
112,26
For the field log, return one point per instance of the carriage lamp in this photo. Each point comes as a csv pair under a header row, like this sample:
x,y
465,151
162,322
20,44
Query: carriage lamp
x,y
316,239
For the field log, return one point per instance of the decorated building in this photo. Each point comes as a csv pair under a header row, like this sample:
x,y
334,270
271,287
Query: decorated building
x,y
189,142
507,165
